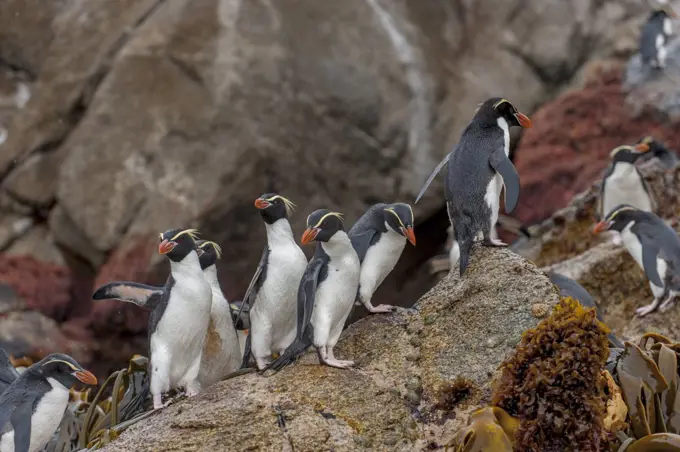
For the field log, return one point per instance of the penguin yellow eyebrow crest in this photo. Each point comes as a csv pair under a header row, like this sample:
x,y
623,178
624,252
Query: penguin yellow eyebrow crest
x,y
287,202
616,212
502,101
61,361
329,214
218,250
193,233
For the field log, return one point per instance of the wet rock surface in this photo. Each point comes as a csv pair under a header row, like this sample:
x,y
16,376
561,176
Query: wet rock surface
x,y
420,373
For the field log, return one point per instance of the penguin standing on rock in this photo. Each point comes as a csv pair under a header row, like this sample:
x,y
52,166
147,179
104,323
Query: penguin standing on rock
x,y
221,352
478,169
379,237
654,246
271,295
179,318
32,407
327,291
622,182
654,37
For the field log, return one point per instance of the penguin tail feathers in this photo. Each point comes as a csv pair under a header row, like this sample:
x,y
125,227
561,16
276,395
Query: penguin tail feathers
x,y
291,354
464,236
130,292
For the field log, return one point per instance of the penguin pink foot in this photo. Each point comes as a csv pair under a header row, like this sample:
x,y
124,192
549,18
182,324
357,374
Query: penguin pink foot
x,y
494,242
643,311
666,305
340,364
381,309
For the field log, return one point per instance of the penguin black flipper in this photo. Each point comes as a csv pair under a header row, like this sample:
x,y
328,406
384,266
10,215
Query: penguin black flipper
x,y
7,371
314,273
503,166
140,294
255,283
361,242
436,171
649,254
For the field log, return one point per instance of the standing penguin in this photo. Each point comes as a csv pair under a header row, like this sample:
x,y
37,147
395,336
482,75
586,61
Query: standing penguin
x,y
327,290
32,407
478,169
179,318
221,351
622,182
272,292
379,237
654,246
654,37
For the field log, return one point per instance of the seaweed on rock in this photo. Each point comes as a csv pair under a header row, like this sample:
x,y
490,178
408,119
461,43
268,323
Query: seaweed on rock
x,y
555,384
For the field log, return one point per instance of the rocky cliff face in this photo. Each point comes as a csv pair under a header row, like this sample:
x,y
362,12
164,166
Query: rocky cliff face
x,y
126,118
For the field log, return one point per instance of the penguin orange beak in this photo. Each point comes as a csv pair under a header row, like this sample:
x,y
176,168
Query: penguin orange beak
x,y
166,246
523,120
600,227
309,235
261,203
642,147
86,377
410,234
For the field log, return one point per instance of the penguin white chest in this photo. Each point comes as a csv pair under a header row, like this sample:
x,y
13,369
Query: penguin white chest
x,y
379,261
493,189
624,186
336,294
45,419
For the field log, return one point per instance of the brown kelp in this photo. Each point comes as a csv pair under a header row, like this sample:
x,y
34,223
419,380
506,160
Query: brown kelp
x,y
555,385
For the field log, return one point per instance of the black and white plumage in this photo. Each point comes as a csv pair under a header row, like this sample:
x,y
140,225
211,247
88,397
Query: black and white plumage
x,y
654,246
478,168
657,149
570,288
379,237
622,182
655,36
221,352
272,293
32,407
180,315
326,292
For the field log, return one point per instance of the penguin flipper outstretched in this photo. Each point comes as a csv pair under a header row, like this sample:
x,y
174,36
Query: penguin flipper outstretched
x,y
436,171
7,371
503,166
305,306
259,275
131,292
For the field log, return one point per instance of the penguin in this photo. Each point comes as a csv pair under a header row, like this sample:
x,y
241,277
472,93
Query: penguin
x,y
570,288
622,182
241,321
660,151
379,237
7,371
654,37
271,294
32,407
180,315
654,246
221,351
327,290
479,167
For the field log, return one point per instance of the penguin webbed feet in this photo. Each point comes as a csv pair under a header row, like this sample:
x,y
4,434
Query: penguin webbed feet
x,y
382,309
493,243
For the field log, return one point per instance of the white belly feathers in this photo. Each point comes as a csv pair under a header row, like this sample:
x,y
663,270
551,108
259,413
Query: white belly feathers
x,y
624,186
379,261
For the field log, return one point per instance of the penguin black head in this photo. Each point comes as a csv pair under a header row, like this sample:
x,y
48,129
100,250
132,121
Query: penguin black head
x,y
399,217
620,217
64,369
496,107
659,150
177,243
322,224
208,253
629,154
274,207
662,13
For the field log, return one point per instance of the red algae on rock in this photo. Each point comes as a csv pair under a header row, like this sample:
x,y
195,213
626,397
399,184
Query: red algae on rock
x,y
554,382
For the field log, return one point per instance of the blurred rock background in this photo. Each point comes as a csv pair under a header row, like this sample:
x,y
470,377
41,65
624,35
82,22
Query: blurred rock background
x,y
124,118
